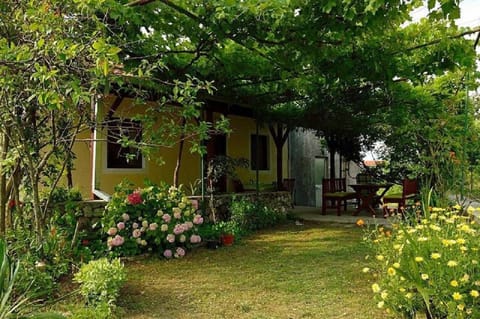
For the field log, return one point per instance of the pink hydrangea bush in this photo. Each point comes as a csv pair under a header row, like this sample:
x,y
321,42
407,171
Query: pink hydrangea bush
x,y
158,219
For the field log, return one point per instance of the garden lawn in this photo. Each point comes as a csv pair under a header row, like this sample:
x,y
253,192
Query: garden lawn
x,y
309,271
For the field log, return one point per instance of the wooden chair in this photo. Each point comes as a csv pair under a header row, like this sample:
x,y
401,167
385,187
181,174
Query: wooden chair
x,y
409,192
335,190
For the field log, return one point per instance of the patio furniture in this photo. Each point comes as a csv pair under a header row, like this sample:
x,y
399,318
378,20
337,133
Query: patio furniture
x,y
368,196
409,192
335,190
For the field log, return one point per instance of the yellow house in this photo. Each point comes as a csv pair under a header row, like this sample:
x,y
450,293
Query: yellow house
x,y
100,162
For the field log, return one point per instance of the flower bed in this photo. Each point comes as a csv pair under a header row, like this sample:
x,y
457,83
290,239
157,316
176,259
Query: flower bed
x,y
157,219
429,266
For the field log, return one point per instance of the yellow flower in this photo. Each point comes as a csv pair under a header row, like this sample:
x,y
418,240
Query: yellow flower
x,y
360,223
435,255
424,276
470,210
380,304
457,207
375,288
391,271
463,248
380,257
397,246
465,278
452,263
435,227
454,283
402,289
365,270
408,295
474,293
418,259
457,296
461,241
461,306
384,295
396,265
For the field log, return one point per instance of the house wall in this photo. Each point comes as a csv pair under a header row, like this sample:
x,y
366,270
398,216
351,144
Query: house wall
x,y
305,147
160,166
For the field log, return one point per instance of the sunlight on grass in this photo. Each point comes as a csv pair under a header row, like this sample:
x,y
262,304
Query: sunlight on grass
x,y
312,271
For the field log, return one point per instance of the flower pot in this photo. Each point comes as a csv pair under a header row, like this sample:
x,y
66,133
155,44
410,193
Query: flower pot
x,y
227,239
213,244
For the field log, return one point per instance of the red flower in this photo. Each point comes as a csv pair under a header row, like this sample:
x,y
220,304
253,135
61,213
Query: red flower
x,y
85,242
134,198
12,203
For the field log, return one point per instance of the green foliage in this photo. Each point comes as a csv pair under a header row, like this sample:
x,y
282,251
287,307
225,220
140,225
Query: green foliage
x,y
429,265
9,304
100,281
158,219
254,215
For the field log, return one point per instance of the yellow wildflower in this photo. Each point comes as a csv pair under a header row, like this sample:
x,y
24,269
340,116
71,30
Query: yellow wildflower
x,y
380,304
454,283
457,296
396,265
474,293
424,276
391,271
365,270
384,295
452,263
380,257
375,288
435,255
418,259
461,306
408,295
465,278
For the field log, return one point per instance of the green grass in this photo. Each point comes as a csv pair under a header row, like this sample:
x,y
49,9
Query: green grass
x,y
310,271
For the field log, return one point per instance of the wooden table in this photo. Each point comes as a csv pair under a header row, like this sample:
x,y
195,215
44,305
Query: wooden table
x,y
367,194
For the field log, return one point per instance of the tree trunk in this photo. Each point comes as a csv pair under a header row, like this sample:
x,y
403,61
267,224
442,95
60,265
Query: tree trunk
x,y
280,136
176,172
3,184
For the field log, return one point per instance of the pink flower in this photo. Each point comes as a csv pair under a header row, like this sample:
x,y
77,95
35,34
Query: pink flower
x,y
121,225
195,239
164,227
135,225
171,238
180,252
135,198
166,218
112,231
125,217
178,229
136,233
117,241
198,219
167,253
153,226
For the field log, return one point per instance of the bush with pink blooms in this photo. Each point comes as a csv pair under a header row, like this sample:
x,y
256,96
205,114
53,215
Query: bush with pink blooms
x,y
157,218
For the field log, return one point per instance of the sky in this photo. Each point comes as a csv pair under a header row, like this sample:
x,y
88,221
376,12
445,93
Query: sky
x,y
470,13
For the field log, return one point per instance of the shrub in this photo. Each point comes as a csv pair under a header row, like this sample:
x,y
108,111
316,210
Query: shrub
x,y
254,215
429,266
154,218
100,281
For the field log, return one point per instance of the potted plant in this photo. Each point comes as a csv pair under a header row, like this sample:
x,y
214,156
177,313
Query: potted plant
x,y
210,235
228,230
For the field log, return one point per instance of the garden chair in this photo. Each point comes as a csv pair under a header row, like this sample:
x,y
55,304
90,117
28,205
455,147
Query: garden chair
x,y
409,192
335,190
